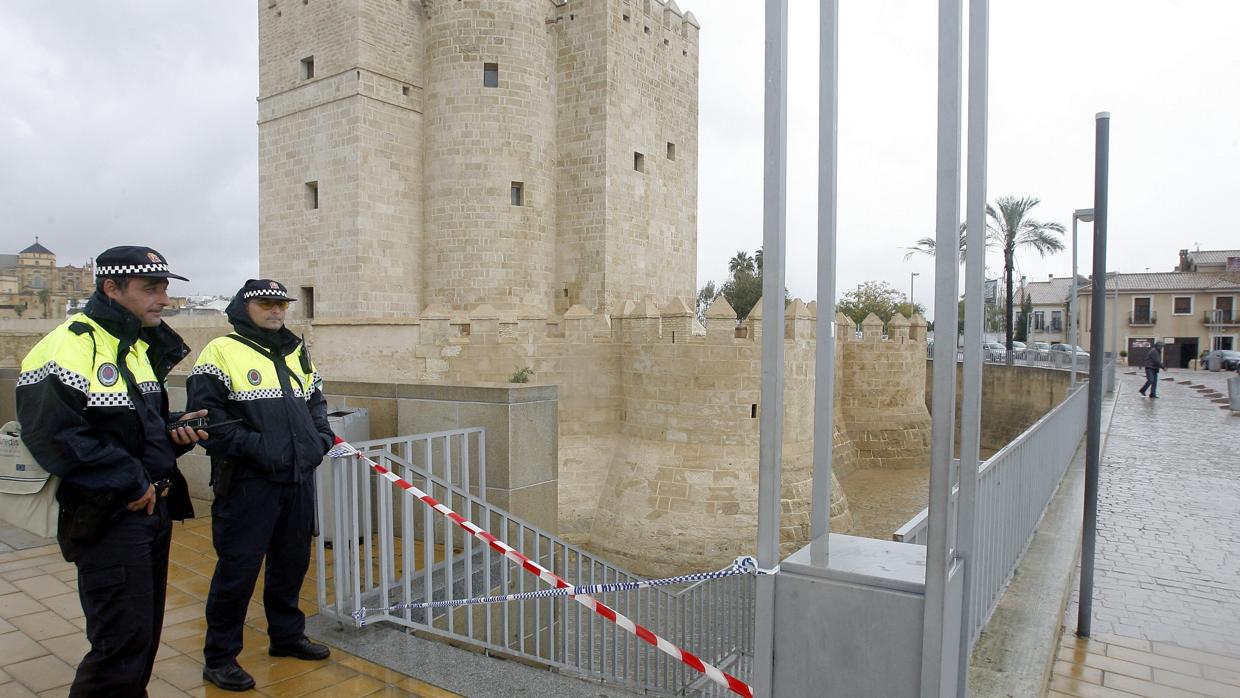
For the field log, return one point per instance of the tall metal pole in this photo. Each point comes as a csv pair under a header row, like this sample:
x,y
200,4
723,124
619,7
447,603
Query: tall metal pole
x,y
1072,306
974,293
911,307
934,660
1114,338
824,357
771,423
1097,339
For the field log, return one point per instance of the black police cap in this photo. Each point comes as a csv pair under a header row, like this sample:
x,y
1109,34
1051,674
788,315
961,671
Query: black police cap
x,y
260,289
130,260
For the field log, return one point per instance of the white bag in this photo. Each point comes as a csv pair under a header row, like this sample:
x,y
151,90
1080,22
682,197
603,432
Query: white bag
x,y
27,491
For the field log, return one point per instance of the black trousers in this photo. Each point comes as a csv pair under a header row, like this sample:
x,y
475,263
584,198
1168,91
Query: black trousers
x,y
1151,382
122,582
258,519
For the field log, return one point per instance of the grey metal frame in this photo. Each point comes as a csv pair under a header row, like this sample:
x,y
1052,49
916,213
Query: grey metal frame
x,y
714,620
771,421
1014,487
936,657
975,282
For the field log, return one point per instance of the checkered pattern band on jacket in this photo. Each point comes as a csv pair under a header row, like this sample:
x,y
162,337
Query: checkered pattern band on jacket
x,y
130,269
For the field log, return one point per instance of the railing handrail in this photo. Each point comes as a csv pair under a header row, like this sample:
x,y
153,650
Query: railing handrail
x,y
1032,431
475,500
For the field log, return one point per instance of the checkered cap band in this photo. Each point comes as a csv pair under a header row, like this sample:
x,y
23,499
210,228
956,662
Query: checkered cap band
x,y
130,269
264,292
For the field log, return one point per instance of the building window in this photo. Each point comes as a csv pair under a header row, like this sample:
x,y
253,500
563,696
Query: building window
x,y
626,17
639,162
1183,305
307,302
671,151
490,74
307,67
1039,321
518,193
312,195
1056,321
404,90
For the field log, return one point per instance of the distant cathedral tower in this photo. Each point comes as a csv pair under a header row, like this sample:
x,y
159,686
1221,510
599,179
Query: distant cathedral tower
x,y
527,154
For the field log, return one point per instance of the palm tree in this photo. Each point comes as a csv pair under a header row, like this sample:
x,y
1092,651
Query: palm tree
x,y
742,262
1008,228
45,296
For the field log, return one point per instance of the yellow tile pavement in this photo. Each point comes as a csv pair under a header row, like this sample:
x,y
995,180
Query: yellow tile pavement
x,y
42,637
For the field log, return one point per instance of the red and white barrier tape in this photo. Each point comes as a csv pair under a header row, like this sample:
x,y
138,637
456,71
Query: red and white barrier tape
x,y
343,449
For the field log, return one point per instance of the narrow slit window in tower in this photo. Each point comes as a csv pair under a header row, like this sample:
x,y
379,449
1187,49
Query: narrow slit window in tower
x,y
490,74
671,151
307,302
518,193
639,162
312,195
307,67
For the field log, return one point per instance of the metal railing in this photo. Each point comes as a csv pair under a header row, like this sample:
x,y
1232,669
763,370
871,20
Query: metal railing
x,y
1219,317
1142,317
1013,489
393,549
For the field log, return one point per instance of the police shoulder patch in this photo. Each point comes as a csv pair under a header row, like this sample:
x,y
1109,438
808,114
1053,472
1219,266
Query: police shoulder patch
x,y
254,376
108,374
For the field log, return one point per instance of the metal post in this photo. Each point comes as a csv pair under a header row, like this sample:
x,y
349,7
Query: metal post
x,y
946,290
1072,307
1093,435
911,307
974,292
771,423
1115,335
824,357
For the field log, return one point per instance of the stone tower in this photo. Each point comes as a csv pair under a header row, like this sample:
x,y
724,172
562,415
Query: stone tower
x,y
526,154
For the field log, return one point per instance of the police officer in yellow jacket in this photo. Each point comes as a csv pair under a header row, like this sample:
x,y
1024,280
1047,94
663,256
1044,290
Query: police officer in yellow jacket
x,y
262,474
93,409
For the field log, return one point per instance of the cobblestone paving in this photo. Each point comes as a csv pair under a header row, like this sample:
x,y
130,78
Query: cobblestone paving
x,y
1167,580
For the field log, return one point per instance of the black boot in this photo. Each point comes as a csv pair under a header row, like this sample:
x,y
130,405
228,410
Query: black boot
x,y
230,677
301,649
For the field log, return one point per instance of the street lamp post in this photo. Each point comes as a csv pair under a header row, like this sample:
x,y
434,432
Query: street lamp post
x,y
912,309
1086,215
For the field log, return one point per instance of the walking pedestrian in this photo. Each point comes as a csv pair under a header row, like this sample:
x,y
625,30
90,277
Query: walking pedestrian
x,y
1153,364
262,472
94,411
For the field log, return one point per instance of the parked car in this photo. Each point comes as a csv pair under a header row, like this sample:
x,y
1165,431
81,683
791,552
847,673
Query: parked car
x,y
1064,351
1019,350
1227,359
1041,351
993,351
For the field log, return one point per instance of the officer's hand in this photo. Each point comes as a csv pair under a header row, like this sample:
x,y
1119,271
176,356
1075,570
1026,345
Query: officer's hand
x,y
184,436
146,501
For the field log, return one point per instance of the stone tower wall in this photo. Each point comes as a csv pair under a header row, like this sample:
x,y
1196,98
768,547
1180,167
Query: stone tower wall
x,y
355,129
479,140
652,102
882,394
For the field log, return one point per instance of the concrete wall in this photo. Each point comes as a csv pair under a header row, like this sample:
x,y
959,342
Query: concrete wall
x,y
1013,398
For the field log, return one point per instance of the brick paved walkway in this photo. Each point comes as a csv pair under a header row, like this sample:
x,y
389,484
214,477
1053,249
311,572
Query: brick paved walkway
x,y
1166,614
42,634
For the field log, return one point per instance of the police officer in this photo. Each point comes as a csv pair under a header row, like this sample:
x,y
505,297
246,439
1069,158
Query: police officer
x,y
263,476
94,410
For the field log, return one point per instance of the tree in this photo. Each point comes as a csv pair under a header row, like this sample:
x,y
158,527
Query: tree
x,y
44,297
705,297
742,263
1009,228
878,297
1026,312
19,309
742,291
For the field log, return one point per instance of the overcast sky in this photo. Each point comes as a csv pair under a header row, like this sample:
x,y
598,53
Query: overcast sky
x,y
134,122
